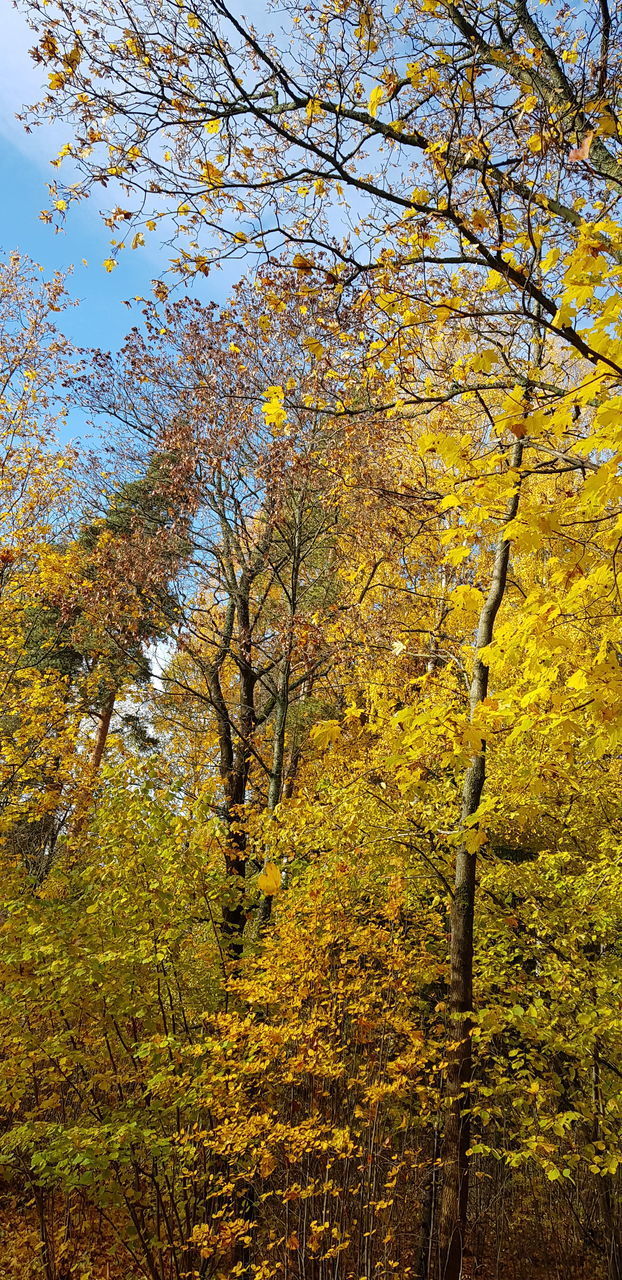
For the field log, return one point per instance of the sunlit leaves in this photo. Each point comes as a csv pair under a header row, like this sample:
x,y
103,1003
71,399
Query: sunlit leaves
x,y
273,408
376,97
269,881
325,734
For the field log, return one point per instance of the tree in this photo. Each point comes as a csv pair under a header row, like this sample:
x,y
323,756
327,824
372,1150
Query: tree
x,y
488,203
36,486
244,117
262,520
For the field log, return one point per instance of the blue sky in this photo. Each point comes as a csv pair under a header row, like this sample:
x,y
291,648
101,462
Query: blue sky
x,y
101,319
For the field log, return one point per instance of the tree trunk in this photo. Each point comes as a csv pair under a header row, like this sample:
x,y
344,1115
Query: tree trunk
x,y
428,1214
234,911
275,785
102,732
457,1134
84,806
605,1196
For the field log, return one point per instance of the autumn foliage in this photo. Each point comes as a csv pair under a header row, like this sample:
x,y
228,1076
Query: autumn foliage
x,y
310,741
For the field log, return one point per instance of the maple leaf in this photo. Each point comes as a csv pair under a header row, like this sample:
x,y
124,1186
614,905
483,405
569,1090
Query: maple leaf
x,y
301,263
517,427
325,733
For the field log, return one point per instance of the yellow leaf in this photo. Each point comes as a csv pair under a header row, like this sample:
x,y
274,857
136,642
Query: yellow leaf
x,y
513,412
483,363
494,280
578,681
457,555
375,98
211,174
549,260
110,264
273,410
312,110
314,347
325,733
72,58
301,263
269,882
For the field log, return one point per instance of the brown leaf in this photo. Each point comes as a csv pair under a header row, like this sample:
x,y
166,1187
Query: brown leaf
x,y
267,1164
581,152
